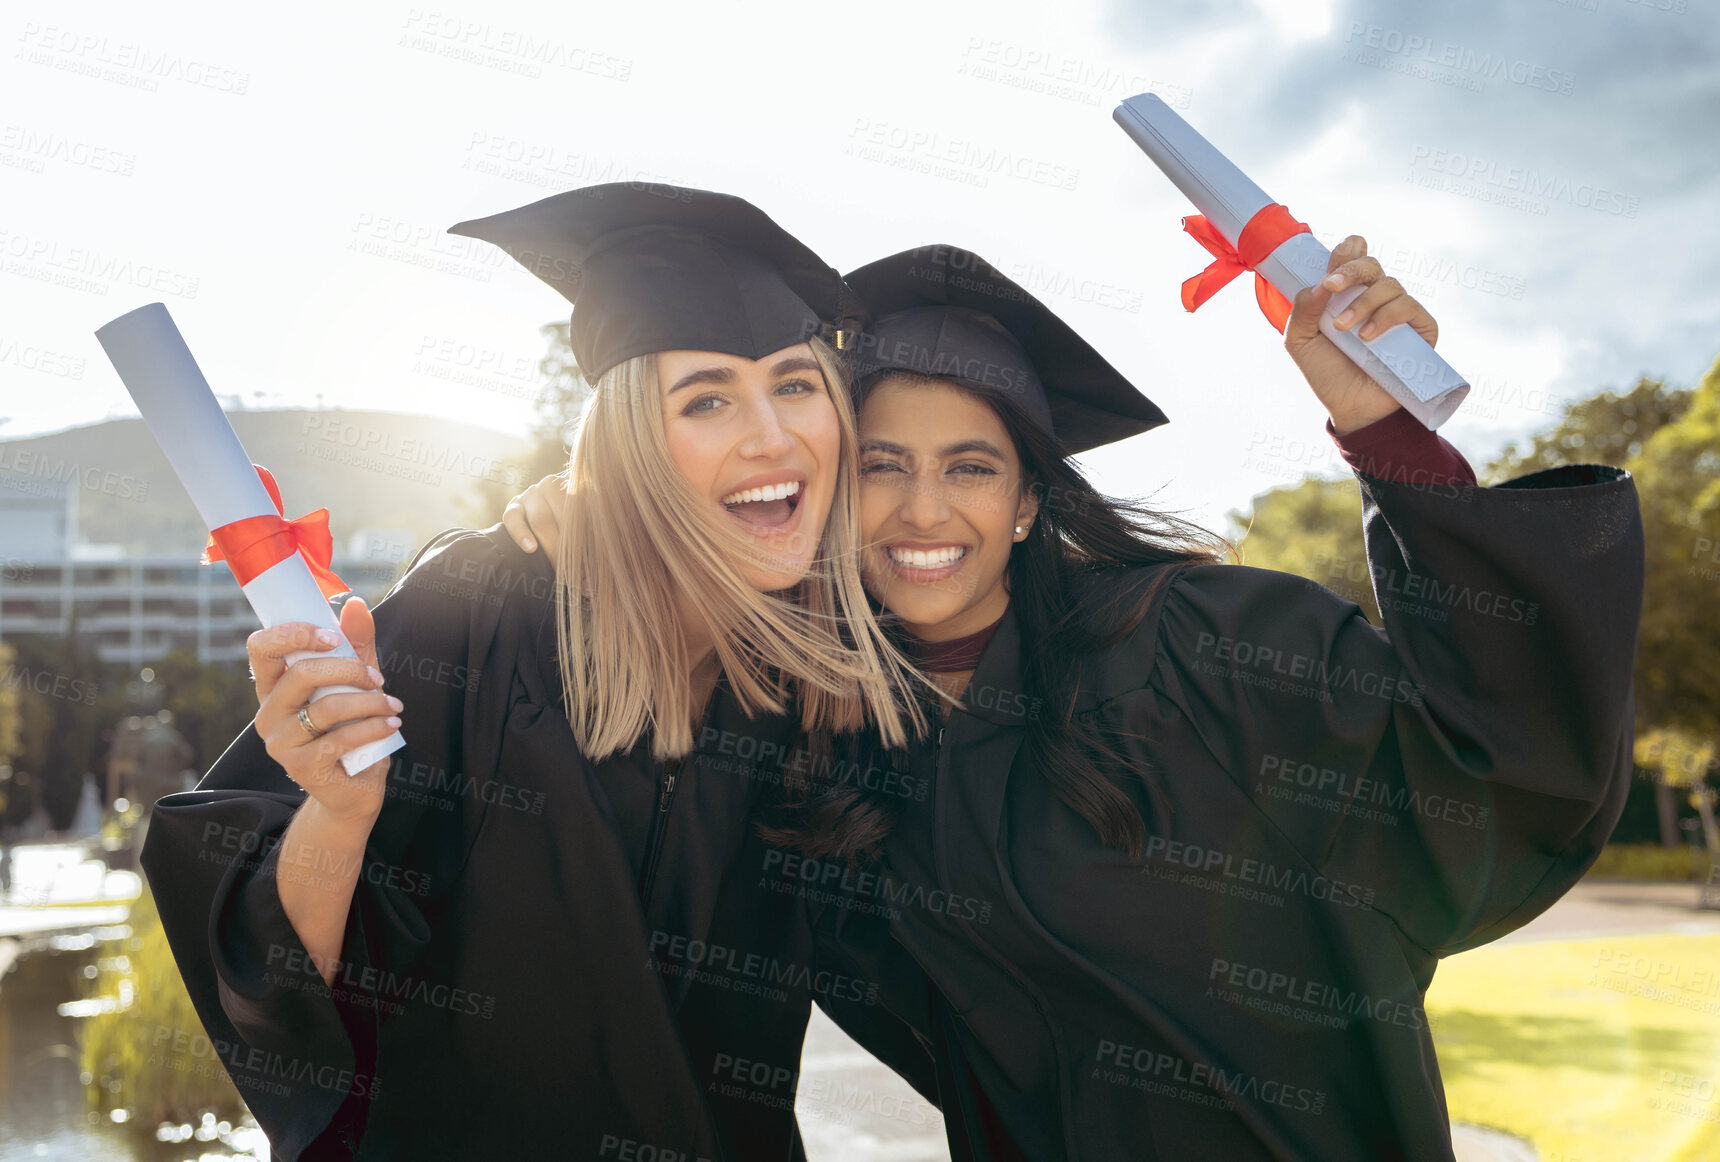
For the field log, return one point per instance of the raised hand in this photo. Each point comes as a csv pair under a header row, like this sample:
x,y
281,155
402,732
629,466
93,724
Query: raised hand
x,y
1350,397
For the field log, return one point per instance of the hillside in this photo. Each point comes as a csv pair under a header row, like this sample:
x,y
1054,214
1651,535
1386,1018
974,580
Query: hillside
x,y
372,470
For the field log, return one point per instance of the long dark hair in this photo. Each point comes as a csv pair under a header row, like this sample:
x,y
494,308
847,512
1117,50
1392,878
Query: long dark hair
x,y
1078,532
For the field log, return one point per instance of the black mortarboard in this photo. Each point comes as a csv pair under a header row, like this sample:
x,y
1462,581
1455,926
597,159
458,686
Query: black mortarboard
x,y
946,312
651,267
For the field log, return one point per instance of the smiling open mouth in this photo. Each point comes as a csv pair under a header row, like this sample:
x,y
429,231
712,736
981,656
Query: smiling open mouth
x,y
765,507
926,558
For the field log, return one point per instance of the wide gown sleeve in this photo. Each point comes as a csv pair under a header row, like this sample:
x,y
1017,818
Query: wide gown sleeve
x,y
301,1053
1460,768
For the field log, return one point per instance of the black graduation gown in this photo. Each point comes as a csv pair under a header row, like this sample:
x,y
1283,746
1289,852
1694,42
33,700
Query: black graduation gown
x,y
504,993
1339,806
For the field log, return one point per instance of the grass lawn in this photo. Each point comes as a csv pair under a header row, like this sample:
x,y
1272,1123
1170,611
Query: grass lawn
x,y
1604,1050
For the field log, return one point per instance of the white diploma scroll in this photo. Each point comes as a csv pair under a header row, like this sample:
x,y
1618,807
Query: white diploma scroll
x,y
1399,359
183,416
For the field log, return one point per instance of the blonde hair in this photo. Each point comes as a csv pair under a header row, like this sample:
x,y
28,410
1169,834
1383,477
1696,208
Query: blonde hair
x,y
637,537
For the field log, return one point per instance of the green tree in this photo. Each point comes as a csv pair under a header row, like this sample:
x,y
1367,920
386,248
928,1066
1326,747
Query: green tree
x,y
67,700
1608,428
1669,440
211,703
11,737
564,394
1314,530
11,716
1677,471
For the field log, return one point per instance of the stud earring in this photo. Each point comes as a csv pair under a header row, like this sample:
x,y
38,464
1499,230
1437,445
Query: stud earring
x,y
1018,530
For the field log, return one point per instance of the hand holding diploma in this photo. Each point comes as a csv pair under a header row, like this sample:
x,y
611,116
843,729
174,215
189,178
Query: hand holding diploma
x,y
1245,230
365,714
1350,395
282,566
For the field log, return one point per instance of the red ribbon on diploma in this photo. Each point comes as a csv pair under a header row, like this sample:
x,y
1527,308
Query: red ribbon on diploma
x,y
259,543
1265,232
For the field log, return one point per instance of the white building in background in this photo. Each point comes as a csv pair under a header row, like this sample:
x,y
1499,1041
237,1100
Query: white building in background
x,y
136,609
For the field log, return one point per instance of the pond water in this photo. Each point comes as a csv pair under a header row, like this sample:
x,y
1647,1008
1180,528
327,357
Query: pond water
x,y
44,1113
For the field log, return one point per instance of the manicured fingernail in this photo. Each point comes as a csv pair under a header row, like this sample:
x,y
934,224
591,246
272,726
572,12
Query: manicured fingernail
x,y
1343,320
1333,282
375,676
393,721
1367,332
326,637
528,544
395,703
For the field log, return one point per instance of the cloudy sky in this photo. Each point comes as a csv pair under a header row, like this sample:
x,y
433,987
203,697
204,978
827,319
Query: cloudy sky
x,y
1541,173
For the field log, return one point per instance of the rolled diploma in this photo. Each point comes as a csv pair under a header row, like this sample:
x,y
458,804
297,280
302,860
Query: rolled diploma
x,y
1398,359
181,412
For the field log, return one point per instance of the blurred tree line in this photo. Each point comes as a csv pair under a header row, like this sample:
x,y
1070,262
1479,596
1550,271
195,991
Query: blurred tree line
x,y
558,406
1669,440
48,743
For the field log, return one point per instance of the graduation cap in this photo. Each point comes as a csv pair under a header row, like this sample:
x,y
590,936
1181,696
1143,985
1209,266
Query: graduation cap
x,y
946,312
651,267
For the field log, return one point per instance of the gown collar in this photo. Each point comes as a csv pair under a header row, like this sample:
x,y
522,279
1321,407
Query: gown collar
x,y
997,692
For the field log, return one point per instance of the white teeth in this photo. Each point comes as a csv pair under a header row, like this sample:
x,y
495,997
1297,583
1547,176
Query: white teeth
x,y
769,492
927,558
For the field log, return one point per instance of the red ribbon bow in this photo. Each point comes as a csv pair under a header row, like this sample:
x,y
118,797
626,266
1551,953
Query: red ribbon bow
x,y
258,543
1265,232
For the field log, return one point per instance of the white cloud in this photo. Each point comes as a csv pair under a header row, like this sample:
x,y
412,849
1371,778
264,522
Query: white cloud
x,y
309,208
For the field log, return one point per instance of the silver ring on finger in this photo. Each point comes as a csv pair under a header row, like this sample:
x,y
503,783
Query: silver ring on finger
x,y
311,728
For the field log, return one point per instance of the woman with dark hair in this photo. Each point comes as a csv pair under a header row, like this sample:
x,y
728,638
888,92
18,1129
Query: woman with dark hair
x,y
1198,833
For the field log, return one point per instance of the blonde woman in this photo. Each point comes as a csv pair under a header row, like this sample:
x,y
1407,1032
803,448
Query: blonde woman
x,y
538,930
